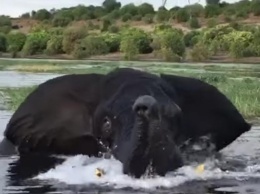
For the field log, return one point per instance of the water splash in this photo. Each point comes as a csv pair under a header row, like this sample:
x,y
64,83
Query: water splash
x,y
80,170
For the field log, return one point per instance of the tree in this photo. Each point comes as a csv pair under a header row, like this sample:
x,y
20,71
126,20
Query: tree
x,y
145,9
79,11
5,24
129,9
42,14
163,14
15,41
182,15
111,5
212,2
255,7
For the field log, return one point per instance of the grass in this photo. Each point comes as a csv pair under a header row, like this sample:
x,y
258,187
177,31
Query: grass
x,y
37,68
15,96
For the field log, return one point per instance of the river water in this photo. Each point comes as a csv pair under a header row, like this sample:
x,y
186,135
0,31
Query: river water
x,y
77,174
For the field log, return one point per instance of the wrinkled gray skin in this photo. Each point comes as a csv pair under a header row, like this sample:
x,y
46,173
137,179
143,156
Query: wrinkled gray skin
x,y
142,135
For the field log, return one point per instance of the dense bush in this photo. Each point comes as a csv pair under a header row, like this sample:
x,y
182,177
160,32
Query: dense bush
x,y
212,10
89,46
5,24
200,52
145,9
142,39
3,42
35,43
56,31
182,15
169,42
240,43
42,14
191,38
162,15
15,41
148,18
255,7
54,45
212,22
112,40
194,23
129,47
71,35
106,24
196,10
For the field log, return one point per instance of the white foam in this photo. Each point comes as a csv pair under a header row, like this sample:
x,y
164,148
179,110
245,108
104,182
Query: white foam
x,y
81,170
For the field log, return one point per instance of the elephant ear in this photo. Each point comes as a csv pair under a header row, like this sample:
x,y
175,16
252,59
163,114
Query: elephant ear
x,y
206,111
57,117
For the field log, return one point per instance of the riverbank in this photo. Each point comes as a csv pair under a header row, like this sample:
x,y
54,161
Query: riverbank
x,y
221,58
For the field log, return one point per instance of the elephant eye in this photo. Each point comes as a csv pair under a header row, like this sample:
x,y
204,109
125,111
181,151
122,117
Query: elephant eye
x,y
107,127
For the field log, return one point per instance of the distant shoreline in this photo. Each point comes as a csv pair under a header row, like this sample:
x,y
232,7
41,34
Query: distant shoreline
x,y
142,58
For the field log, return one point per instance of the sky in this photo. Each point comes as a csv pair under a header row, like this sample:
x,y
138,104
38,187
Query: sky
x,y
15,8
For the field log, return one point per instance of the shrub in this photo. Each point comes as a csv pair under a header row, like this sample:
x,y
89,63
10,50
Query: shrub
x,y
216,33
61,21
137,17
129,47
130,9
148,18
5,21
200,53
15,41
71,35
106,24
214,46
255,7
212,10
212,22
162,15
115,14
169,41
239,43
112,40
145,9
126,17
113,29
142,39
242,14
190,38
196,10
5,24
160,27
182,15
3,42
89,46
54,45
56,31
42,14
194,23
35,43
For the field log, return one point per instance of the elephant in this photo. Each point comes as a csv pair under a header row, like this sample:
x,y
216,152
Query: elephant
x,y
141,119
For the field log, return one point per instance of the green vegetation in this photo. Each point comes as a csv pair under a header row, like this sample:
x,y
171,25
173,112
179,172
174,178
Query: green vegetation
x,y
16,96
81,32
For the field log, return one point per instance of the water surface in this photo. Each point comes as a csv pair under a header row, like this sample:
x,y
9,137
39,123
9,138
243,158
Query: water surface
x,y
240,172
